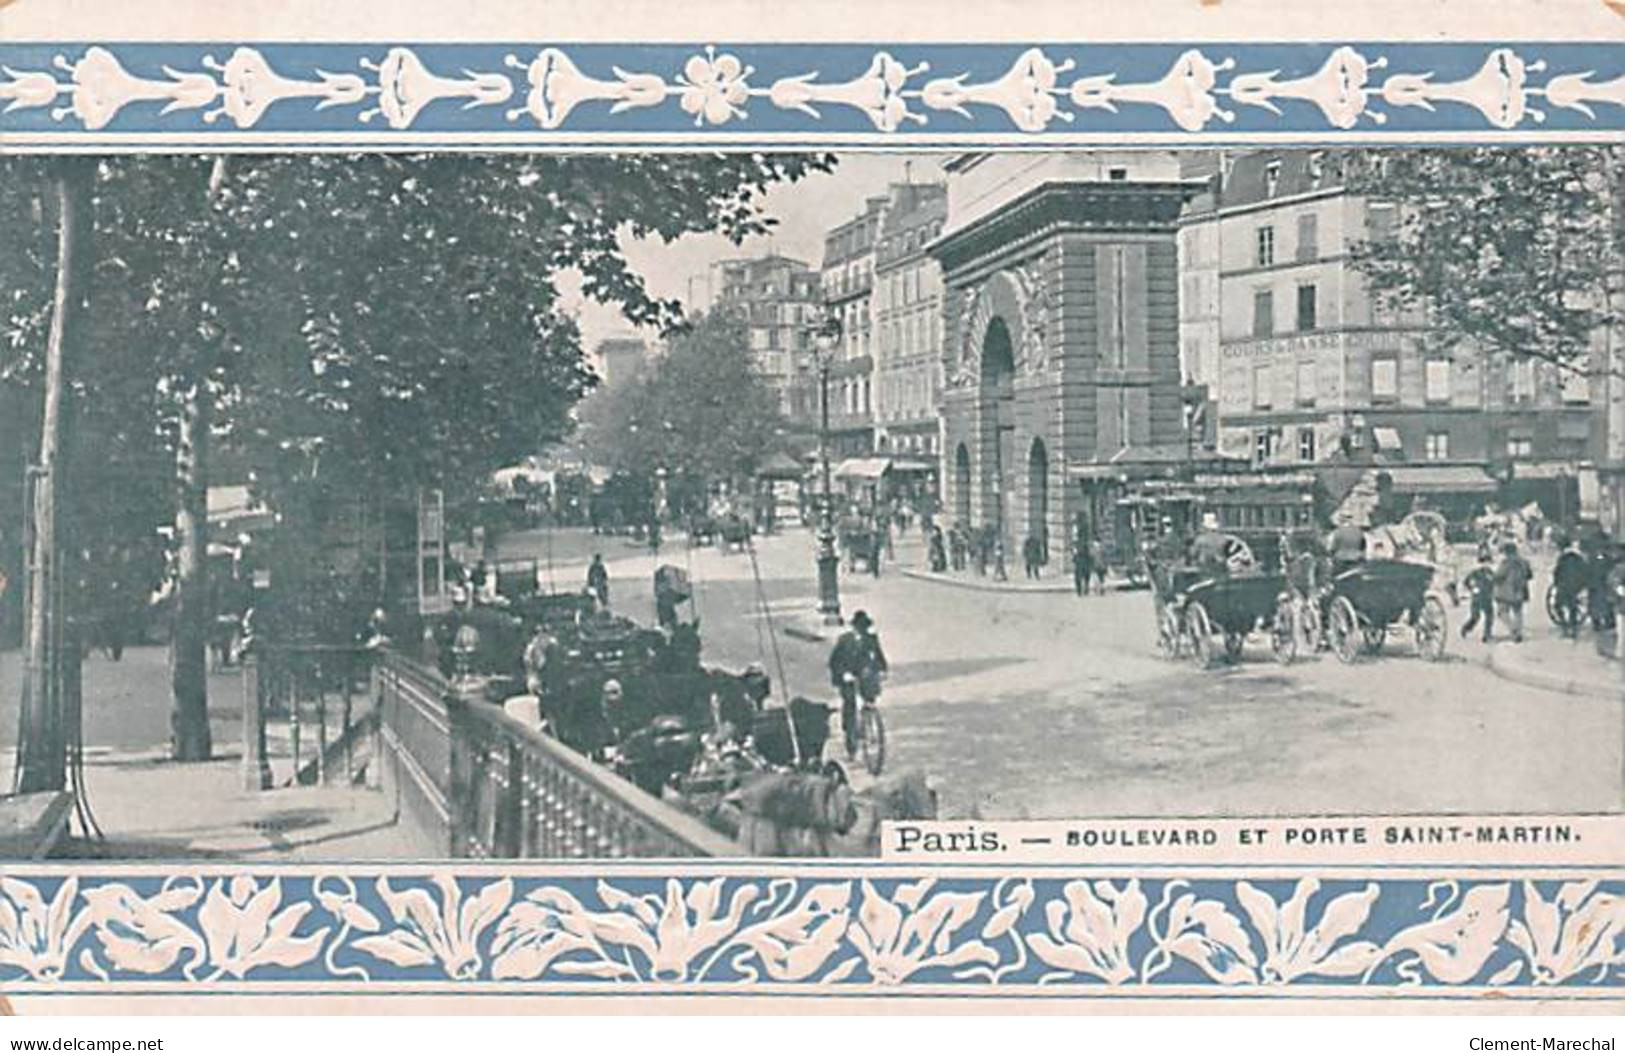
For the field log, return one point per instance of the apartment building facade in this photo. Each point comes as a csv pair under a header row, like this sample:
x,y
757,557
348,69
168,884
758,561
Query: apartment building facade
x,y
907,308
778,299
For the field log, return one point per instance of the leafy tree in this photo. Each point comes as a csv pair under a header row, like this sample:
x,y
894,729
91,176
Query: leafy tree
x,y
702,411
352,324
1516,251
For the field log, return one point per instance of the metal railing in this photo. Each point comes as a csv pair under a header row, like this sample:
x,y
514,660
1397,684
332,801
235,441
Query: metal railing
x,y
308,710
487,786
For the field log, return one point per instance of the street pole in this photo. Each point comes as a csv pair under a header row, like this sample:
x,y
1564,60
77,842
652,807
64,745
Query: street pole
x,y
829,588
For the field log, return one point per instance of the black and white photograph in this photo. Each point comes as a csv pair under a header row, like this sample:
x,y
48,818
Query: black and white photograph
x,y
407,506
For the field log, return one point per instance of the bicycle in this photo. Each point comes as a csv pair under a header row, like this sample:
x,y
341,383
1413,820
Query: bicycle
x,y
869,737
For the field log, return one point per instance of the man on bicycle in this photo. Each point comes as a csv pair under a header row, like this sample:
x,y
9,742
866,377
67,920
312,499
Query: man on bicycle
x,y
855,667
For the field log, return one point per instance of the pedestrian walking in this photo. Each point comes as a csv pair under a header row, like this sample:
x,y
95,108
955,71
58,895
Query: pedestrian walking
x,y
1080,563
957,556
598,580
1512,589
1032,556
937,553
1481,596
1569,580
1097,563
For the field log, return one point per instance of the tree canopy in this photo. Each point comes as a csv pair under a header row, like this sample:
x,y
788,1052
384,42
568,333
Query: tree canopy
x,y
381,320
1517,251
702,410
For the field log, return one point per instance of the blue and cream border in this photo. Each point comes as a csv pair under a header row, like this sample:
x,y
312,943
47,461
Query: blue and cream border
x,y
76,95
756,929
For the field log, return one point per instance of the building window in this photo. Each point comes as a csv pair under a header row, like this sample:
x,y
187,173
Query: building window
x,y
1438,446
1272,178
1261,446
1261,387
1520,446
1307,304
1576,385
1308,237
1117,175
1263,312
1384,379
1523,380
1317,169
1306,444
1438,380
1306,383
1266,246
1382,221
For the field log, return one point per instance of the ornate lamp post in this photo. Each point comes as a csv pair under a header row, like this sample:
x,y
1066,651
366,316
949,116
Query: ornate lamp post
x,y
826,336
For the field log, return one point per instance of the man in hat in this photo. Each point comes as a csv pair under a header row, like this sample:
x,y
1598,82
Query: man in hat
x,y
1512,589
1481,597
855,667
1210,551
598,579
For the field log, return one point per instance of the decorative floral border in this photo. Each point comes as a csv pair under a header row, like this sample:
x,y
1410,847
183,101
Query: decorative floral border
x,y
752,930
86,93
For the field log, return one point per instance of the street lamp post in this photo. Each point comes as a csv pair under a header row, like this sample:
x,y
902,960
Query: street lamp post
x,y
826,335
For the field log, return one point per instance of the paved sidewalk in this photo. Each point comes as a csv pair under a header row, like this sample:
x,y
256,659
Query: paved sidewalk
x,y
1585,666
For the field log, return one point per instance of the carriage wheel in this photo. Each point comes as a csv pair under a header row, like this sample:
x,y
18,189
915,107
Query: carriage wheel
x,y
1432,629
1200,627
1554,615
1170,632
1284,632
1233,642
1345,629
1375,635
874,740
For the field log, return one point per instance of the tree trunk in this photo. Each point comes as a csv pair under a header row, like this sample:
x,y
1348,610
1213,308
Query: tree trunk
x,y
42,752
189,719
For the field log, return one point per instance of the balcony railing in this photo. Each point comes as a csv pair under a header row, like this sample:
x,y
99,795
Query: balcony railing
x,y
493,787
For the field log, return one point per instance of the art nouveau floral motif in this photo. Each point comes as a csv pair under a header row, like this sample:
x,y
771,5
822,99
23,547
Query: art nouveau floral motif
x,y
714,88
916,928
446,933
757,932
34,934
246,927
1089,930
1579,931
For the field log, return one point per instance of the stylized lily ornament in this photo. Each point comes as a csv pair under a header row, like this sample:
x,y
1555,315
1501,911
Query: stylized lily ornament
x,y
1089,929
251,87
1497,90
102,87
1186,92
28,89
447,932
916,930
1338,88
1574,91
557,87
1292,949
405,86
141,934
1027,92
1578,930
878,93
36,936
245,929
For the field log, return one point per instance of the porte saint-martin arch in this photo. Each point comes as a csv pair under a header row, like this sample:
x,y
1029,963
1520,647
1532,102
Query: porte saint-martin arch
x,y
1061,349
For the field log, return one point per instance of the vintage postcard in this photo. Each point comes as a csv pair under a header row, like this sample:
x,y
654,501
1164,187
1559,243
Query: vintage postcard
x,y
1085,505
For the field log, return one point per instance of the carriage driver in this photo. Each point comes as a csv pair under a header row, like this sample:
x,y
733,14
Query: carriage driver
x,y
1210,551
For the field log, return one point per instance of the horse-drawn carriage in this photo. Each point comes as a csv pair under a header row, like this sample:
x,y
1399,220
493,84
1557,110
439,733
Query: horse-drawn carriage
x,y
1370,599
861,542
1200,610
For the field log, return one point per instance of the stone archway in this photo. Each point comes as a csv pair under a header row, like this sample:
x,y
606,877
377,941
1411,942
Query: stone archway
x,y
1038,494
962,485
996,404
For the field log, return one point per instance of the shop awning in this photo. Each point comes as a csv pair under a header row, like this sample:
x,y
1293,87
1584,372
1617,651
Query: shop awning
x,y
780,466
1387,439
1440,479
865,468
1543,470
912,466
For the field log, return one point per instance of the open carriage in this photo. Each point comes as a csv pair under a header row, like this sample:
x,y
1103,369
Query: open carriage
x,y
1370,599
1199,612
